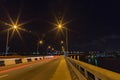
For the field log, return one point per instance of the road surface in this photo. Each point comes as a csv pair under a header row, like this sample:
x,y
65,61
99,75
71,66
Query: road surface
x,y
35,71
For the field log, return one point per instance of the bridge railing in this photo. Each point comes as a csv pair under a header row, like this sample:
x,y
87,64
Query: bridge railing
x,y
91,72
11,61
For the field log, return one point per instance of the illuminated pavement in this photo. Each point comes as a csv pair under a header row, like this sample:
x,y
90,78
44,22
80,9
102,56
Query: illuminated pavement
x,y
55,69
62,70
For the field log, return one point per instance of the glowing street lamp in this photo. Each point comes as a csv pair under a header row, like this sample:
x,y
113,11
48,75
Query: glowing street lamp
x,y
62,42
53,49
62,46
59,26
15,27
49,46
40,42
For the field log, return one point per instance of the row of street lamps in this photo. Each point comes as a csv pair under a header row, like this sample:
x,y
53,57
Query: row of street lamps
x,y
60,27
15,27
40,43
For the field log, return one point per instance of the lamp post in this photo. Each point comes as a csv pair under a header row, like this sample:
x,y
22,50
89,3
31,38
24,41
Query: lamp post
x,y
61,26
49,49
62,46
7,42
66,40
40,42
14,27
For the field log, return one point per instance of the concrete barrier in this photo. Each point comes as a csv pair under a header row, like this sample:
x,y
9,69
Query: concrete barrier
x,y
48,57
24,60
9,61
40,58
33,58
5,62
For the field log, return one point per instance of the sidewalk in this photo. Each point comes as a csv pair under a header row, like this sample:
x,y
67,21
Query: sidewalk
x,y
62,72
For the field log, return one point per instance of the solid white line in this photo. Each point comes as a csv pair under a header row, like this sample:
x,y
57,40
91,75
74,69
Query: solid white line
x,y
4,76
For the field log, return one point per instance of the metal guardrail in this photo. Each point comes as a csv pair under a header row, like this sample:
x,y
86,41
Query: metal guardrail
x,y
91,72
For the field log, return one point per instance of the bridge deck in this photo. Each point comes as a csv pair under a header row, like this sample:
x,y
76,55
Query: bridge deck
x,y
62,72
47,69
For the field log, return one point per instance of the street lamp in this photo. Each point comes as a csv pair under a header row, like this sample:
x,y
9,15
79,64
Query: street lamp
x,y
49,49
14,27
40,42
53,49
60,26
49,46
62,42
62,46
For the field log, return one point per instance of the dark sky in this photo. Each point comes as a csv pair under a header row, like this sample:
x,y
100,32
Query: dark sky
x,y
94,23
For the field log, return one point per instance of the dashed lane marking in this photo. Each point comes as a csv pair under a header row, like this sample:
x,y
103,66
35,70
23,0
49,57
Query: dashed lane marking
x,y
4,76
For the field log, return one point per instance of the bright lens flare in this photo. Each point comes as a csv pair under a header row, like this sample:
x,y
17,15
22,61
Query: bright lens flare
x,y
15,27
59,26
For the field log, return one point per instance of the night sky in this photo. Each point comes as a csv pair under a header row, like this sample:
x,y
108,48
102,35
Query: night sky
x,y
94,24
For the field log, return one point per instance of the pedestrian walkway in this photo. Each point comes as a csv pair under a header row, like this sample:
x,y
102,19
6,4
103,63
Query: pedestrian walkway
x,y
62,72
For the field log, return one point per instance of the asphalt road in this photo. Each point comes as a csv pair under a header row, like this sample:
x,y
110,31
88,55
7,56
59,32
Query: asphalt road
x,y
36,71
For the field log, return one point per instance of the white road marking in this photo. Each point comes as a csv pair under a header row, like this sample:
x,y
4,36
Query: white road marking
x,y
4,76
